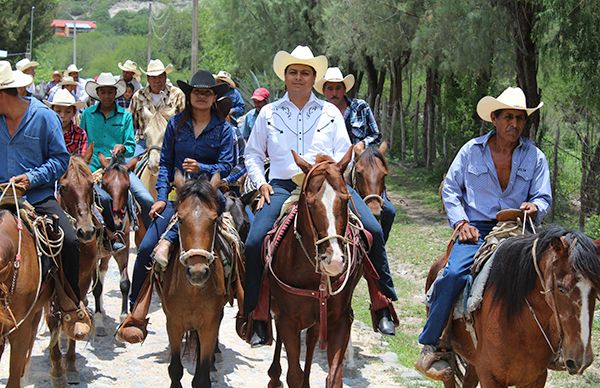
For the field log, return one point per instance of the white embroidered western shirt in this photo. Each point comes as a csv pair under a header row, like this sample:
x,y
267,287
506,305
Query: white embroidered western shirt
x,y
317,128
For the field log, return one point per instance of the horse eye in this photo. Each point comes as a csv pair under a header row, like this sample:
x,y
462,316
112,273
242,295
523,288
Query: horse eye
x,y
562,289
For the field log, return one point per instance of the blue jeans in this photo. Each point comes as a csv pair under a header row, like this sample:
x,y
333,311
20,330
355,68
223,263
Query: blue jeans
x,y
388,213
106,202
449,286
142,196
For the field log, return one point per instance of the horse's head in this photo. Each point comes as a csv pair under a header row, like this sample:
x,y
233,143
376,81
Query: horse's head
x,y
324,202
368,175
115,182
197,210
570,272
77,194
154,139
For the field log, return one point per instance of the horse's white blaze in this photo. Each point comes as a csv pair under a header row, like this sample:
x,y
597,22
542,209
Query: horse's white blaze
x,y
585,287
328,201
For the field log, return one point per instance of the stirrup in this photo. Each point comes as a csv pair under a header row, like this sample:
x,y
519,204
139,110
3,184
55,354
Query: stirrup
x,y
132,330
435,364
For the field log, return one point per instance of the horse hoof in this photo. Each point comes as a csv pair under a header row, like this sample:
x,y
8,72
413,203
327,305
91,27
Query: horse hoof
x,y
218,357
122,317
59,382
101,331
73,377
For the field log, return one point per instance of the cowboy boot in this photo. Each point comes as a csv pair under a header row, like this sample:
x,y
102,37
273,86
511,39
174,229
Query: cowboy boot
x,y
160,254
434,363
385,324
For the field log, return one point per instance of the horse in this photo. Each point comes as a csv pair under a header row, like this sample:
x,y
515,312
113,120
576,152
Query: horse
x,y
148,171
536,313
314,262
24,292
193,291
115,181
76,197
368,175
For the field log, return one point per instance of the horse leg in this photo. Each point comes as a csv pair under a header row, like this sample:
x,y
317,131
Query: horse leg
x,y
21,341
124,283
57,370
471,379
539,383
275,368
290,337
338,335
207,336
175,333
312,335
72,372
98,288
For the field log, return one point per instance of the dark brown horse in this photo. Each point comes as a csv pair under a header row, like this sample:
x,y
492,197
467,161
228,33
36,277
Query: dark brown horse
x,y
193,291
368,175
536,312
76,196
313,271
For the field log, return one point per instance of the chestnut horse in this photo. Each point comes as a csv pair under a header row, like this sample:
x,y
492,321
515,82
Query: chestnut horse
x,y
193,287
368,175
312,268
76,196
536,313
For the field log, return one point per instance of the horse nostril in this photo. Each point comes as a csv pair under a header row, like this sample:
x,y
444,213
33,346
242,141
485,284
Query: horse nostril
x,y
188,271
571,365
80,233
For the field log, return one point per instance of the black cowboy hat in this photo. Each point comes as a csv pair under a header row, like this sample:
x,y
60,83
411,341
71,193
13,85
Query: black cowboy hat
x,y
203,80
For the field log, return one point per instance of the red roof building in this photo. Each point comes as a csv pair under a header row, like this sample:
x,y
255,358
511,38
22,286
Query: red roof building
x,y
66,27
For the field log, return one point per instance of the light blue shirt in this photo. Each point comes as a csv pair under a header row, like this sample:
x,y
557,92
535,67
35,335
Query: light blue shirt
x,y
472,190
249,123
37,149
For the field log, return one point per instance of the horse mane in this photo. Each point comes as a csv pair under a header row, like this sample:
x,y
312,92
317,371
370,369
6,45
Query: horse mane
x,y
513,274
79,166
323,158
201,189
370,155
117,163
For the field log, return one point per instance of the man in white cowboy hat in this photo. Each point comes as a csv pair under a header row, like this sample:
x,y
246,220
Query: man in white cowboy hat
x,y
33,155
499,170
131,74
238,106
299,121
71,77
67,83
155,104
110,128
56,78
28,67
66,107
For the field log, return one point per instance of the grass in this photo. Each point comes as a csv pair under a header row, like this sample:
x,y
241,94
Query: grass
x,y
418,236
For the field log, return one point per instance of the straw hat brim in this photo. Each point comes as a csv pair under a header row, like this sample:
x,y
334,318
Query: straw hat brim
x,y
226,79
134,71
283,59
76,104
92,86
489,104
30,64
153,73
20,80
348,82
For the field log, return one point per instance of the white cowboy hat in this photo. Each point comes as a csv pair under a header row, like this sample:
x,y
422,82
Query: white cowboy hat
x,y
68,80
63,97
225,76
511,98
131,66
25,64
300,56
73,69
105,79
334,74
156,67
13,79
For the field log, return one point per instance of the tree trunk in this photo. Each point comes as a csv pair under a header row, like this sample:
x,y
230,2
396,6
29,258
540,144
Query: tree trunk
x,y
371,82
416,133
431,93
555,183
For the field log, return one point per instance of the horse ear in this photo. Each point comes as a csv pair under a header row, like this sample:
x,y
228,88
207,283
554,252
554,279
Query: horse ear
x,y
132,163
104,162
87,156
383,147
560,245
303,164
597,244
215,180
178,180
343,163
358,149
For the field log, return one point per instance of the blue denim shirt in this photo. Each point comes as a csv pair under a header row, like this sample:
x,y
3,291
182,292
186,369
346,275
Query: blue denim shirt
x,y
213,150
237,102
472,190
37,148
249,123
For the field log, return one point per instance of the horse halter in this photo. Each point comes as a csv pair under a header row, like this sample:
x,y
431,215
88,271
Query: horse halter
x,y
209,255
376,197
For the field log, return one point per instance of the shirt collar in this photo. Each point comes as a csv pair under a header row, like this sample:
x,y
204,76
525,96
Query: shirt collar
x,y
118,108
312,100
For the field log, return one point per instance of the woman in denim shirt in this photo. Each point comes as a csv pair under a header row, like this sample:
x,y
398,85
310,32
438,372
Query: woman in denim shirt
x,y
197,142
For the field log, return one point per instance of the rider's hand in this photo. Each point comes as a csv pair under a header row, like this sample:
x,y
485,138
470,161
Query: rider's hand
x,y
530,208
191,166
265,195
21,180
157,208
468,233
117,150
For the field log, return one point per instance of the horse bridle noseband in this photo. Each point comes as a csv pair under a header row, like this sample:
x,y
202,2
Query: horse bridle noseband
x,y
377,197
209,255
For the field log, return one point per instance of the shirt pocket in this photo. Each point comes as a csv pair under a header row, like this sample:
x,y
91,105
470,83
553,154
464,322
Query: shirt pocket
x,y
478,178
523,180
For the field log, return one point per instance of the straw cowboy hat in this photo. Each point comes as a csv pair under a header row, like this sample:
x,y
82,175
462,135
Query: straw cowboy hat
x,y
13,79
203,80
68,80
130,66
300,56
334,74
225,76
511,98
25,64
63,97
105,79
73,69
156,67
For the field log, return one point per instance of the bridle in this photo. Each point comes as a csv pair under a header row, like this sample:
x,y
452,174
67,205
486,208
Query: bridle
x,y
376,197
185,255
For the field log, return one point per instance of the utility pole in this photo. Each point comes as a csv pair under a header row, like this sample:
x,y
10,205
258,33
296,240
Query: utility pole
x,y
194,36
149,55
75,40
30,51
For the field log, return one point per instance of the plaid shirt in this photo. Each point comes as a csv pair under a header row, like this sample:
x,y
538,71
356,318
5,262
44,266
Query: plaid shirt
x,y
360,122
122,102
146,114
76,140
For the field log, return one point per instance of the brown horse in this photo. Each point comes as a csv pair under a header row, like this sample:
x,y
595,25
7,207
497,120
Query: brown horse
x,y
312,276
193,288
115,182
368,175
76,196
536,312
